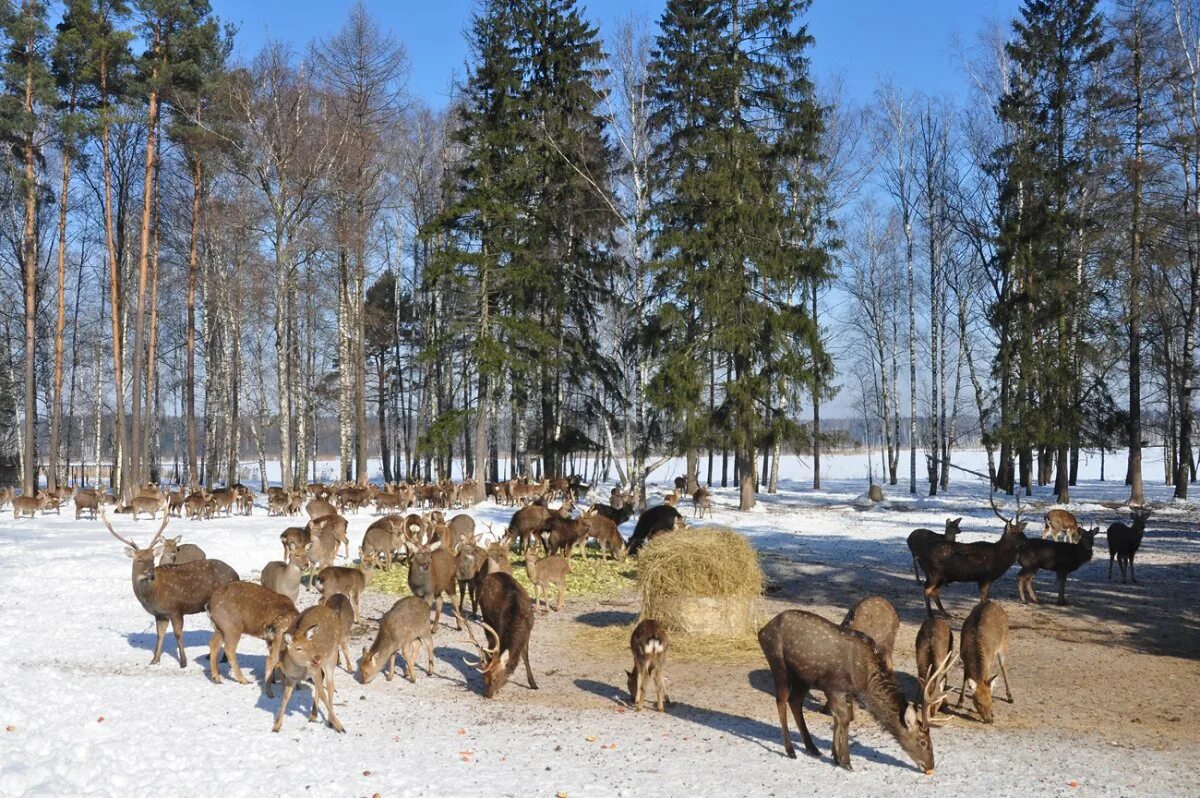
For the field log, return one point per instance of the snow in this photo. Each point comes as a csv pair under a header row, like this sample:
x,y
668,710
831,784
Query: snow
x,y
83,713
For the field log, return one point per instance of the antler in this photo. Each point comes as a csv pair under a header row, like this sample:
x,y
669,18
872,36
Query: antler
x,y
162,528
996,510
113,532
931,692
482,650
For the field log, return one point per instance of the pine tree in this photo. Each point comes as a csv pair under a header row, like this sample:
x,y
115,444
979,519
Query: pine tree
x,y
737,108
28,94
1045,227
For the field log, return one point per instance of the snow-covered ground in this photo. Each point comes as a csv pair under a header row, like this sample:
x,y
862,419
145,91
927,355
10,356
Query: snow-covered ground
x,y
83,713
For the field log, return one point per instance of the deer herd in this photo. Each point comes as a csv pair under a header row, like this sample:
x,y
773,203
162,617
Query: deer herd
x,y
849,662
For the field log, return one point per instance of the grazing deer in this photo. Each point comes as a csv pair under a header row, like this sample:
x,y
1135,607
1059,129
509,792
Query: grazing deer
x,y
381,540
1062,558
176,553
308,649
1124,542
350,582
982,563
935,641
649,645
507,616
984,641
531,520
701,502
169,592
654,521
919,540
607,536
282,577
806,652
1060,522
875,617
243,608
431,575
402,630
544,572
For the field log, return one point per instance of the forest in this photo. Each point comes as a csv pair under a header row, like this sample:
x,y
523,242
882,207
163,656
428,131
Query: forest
x,y
673,241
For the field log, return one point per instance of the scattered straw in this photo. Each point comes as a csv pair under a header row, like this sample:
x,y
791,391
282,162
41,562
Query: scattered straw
x,y
589,578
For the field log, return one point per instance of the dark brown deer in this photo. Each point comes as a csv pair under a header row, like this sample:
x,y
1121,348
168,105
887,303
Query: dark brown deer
x,y
169,592
1050,555
402,630
919,540
807,652
982,563
431,575
654,521
984,641
649,646
1124,542
531,520
308,649
508,618
244,608
618,515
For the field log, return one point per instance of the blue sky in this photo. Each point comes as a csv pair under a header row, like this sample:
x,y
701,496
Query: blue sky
x,y
908,41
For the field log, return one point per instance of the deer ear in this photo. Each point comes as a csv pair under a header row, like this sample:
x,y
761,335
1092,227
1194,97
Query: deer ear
x,y
909,718
130,552
310,632
177,538
992,680
957,521
288,637
437,544
971,684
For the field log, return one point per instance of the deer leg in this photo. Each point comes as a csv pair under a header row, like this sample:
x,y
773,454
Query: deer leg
x,y
916,571
231,644
782,694
1110,565
458,619
214,649
329,691
318,693
962,691
984,589
528,670
177,628
346,653
288,687
429,654
160,625
1132,575
437,612
391,667
842,715
1062,590
1004,673
562,589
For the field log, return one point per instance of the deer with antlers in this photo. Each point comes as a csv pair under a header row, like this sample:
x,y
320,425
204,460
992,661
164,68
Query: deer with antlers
x,y
169,592
508,618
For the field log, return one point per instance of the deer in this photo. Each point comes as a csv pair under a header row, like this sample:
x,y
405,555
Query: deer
x,y
701,502
551,570
382,538
319,507
403,629
563,534
176,553
606,534
508,618
169,592
30,505
282,577
243,608
331,526
431,575
654,521
984,641
875,617
935,641
806,652
340,603
672,498
649,646
982,563
86,501
1062,558
469,560
618,514
532,519
1060,523
350,582
919,540
308,649
1124,542
294,537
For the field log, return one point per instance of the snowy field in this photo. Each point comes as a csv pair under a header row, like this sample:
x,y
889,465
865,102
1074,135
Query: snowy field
x,y
1105,690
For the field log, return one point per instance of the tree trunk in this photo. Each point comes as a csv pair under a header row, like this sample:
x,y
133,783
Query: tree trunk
x,y
189,383
137,445
52,472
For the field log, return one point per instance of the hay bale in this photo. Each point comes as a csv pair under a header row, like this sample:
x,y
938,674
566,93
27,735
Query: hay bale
x,y
875,493
701,581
